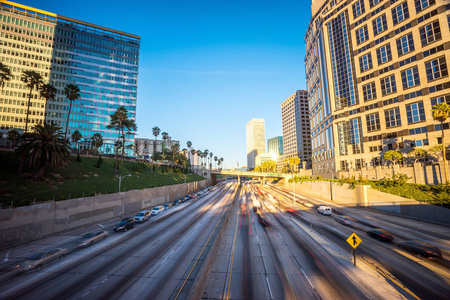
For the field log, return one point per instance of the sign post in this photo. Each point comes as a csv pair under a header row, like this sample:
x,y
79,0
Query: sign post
x,y
354,241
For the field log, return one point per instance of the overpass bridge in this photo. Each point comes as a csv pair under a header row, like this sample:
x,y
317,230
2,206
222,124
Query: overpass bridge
x,y
212,175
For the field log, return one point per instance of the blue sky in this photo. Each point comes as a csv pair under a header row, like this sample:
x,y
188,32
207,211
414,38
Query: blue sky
x,y
207,68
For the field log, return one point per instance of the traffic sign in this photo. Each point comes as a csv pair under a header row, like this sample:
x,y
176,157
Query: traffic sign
x,y
354,240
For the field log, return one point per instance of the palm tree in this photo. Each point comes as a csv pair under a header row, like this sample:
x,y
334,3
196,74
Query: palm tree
x,y
193,152
32,80
97,139
175,148
189,145
45,147
210,160
205,154
218,164
13,136
199,156
120,122
156,132
440,112
165,136
72,93
48,92
5,74
221,160
215,159
76,136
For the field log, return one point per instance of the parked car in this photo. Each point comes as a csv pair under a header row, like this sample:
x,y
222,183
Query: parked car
x,y
167,206
380,234
187,197
176,202
142,216
92,237
38,260
324,210
156,210
421,249
344,220
125,224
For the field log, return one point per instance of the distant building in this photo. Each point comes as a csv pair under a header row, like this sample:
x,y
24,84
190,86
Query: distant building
x,y
144,147
256,141
263,157
275,147
296,129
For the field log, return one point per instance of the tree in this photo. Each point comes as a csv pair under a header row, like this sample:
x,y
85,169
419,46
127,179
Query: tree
x,y
193,152
44,148
210,160
175,148
155,131
48,92
189,145
393,156
76,136
418,154
5,74
205,154
215,159
199,156
72,93
97,139
32,80
119,121
437,152
440,112
13,136
221,160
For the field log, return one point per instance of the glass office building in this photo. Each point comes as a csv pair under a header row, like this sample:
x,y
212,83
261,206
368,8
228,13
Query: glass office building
x,y
102,62
256,141
374,71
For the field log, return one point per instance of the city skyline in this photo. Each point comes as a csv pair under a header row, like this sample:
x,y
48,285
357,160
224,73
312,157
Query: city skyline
x,y
192,64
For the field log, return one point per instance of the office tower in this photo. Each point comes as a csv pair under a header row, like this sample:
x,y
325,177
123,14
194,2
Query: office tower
x,y
275,147
374,70
296,129
102,62
144,147
256,141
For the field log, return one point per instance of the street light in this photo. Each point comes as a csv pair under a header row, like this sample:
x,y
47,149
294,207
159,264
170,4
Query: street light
x,y
120,179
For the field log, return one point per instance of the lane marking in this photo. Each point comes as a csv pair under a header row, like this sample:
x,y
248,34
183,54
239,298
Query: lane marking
x,y
307,278
270,290
167,257
6,256
232,259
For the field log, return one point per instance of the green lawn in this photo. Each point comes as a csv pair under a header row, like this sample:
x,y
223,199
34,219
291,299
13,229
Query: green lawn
x,y
78,179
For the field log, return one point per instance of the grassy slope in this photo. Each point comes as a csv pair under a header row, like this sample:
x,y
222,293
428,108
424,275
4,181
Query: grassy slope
x,y
76,179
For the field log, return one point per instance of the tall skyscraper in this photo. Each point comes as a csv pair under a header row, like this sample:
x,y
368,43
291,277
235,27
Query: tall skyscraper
x,y
296,129
374,70
102,62
275,147
256,140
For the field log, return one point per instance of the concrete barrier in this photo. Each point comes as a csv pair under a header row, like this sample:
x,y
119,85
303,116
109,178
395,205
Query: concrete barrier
x,y
28,223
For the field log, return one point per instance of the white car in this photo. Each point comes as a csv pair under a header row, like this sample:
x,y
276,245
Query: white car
x,y
324,210
142,216
156,210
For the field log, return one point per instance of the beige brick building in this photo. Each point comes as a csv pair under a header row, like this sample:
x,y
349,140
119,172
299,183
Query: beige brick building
x,y
374,71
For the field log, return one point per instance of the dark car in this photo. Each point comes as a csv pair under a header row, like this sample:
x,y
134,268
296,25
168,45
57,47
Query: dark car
x,y
380,234
176,202
125,224
421,249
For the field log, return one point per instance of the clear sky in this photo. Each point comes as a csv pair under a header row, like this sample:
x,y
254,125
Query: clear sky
x,y
207,68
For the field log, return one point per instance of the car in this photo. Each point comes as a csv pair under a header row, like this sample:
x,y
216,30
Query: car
x,y
176,202
344,220
125,224
187,197
324,210
90,238
380,234
421,249
156,210
142,216
38,260
167,206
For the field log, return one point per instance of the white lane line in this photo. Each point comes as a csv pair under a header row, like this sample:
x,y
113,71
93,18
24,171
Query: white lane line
x,y
101,225
268,284
307,278
6,256
167,257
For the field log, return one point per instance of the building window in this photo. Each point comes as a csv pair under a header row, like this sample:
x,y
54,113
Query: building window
x,y
436,68
388,85
373,122
356,136
410,78
400,13
379,24
405,44
384,54
362,34
369,91
430,33
358,8
422,4
365,62
373,3
415,112
392,117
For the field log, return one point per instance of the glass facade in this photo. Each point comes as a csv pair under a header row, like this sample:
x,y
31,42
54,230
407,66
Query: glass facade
x,y
102,62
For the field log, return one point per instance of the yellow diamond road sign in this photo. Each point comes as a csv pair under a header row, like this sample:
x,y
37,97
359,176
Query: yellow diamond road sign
x,y
354,240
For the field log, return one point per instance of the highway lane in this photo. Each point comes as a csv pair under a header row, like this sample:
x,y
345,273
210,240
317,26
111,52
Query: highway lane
x,y
152,260
424,278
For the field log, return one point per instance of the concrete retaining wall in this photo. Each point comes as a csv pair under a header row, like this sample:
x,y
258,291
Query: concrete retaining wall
x,y
365,196
24,224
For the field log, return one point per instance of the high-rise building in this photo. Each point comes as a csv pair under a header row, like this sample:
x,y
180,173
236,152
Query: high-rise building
x,y
145,147
275,147
296,129
102,62
256,141
374,71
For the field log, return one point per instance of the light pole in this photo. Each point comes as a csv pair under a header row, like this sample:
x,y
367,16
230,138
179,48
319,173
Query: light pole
x,y
120,180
